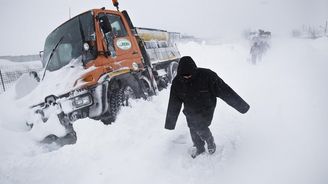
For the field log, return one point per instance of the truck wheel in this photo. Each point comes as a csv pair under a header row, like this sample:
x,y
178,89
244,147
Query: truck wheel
x,y
172,70
118,98
110,116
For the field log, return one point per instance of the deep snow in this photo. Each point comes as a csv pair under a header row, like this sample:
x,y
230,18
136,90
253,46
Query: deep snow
x,y
281,140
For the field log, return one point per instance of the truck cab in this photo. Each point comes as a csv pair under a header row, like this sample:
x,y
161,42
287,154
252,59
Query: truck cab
x,y
102,38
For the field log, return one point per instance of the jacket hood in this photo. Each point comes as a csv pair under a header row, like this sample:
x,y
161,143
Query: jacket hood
x,y
187,66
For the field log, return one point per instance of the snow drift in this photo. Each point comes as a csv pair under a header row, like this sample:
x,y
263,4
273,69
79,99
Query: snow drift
x,y
281,140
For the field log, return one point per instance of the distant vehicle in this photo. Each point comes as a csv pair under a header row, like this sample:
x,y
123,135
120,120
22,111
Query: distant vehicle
x,y
263,33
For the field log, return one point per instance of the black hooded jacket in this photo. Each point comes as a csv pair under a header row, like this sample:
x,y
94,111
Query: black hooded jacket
x,y
198,94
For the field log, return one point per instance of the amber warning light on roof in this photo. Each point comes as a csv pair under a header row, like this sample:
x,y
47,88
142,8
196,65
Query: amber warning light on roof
x,y
115,3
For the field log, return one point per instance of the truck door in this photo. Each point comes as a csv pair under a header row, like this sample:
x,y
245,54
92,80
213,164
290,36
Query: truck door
x,y
125,52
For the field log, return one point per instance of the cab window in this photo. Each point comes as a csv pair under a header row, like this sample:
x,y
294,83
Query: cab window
x,y
117,25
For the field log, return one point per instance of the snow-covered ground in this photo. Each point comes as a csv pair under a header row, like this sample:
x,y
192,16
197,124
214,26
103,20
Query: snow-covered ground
x,y
281,140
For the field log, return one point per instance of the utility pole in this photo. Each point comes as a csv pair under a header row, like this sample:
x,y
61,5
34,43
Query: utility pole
x,y
69,12
324,29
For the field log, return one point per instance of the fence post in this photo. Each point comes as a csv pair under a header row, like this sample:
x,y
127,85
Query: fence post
x,y
3,84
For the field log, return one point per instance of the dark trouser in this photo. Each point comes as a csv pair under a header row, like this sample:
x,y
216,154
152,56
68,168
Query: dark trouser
x,y
201,135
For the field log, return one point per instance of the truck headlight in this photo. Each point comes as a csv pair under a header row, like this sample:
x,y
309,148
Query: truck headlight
x,y
81,101
135,66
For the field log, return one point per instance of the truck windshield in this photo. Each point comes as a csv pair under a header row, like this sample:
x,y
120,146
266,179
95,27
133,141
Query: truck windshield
x,y
73,33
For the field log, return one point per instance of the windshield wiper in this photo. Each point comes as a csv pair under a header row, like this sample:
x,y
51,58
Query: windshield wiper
x,y
51,54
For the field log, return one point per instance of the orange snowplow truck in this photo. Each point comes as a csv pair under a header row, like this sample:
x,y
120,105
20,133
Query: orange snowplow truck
x,y
120,62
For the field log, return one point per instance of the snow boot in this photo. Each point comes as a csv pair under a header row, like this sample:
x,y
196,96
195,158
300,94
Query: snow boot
x,y
197,152
211,148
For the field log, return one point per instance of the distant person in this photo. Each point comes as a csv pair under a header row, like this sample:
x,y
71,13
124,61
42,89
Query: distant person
x,y
257,50
256,53
197,89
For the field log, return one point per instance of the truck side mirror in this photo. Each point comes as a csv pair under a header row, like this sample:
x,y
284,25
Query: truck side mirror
x,y
41,54
104,23
35,75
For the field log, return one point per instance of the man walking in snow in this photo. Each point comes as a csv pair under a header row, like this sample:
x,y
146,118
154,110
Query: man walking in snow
x,y
197,89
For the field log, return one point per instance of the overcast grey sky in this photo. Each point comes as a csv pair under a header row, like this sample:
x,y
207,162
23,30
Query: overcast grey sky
x,y
25,24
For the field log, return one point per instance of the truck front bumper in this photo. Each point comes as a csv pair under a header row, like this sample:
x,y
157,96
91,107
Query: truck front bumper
x,y
78,104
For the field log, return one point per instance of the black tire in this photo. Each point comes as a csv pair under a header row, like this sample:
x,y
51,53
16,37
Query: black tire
x,y
118,98
110,116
